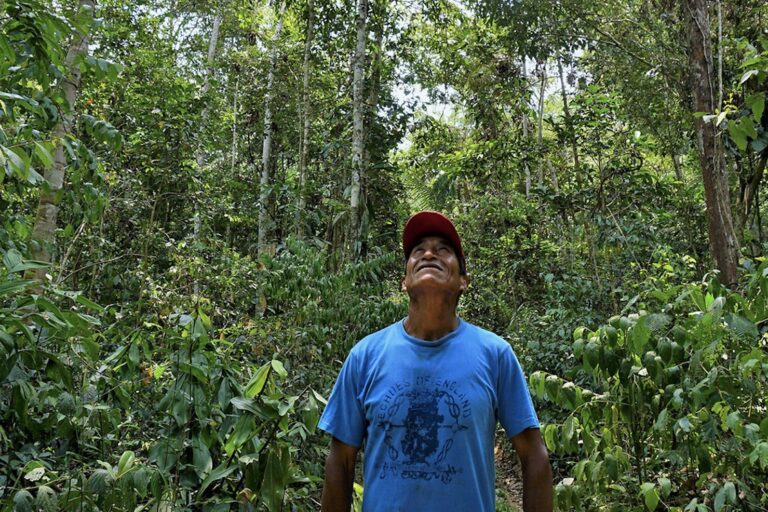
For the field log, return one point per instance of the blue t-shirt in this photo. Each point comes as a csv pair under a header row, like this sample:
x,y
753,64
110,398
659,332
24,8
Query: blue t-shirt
x,y
427,411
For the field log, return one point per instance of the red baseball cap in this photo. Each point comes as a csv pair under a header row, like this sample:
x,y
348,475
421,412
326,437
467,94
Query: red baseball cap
x,y
428,223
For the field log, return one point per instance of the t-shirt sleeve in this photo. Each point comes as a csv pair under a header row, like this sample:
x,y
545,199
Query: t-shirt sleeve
x,y
343,417
515,407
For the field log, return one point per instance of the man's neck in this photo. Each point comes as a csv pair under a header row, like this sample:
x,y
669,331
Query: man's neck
x,y
430,321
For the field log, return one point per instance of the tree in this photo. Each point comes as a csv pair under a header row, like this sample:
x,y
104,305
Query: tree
x,y
722,236
306,117
266,152
358,129
44,231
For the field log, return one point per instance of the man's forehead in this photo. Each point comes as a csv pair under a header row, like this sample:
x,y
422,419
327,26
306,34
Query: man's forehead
x,y
434,237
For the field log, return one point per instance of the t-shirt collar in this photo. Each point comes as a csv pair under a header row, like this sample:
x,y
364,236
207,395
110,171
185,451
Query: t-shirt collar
x,y
435,343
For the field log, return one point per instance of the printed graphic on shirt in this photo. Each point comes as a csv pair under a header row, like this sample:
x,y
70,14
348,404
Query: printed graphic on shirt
x,y
421,420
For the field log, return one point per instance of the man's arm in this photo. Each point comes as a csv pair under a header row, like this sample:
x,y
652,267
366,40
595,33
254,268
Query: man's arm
x,y
537,474
339,476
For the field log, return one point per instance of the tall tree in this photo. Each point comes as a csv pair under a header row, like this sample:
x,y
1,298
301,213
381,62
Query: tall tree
x,y
358,130
44,231
200,157
266,152
722,236
307,120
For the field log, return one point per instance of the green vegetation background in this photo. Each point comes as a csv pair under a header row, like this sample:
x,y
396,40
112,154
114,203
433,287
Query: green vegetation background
x,y
168,346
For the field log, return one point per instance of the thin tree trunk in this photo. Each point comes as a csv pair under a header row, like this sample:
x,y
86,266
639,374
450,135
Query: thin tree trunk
x,y
719,57
567,114
266,150
44,231
540,120
358,132
201,157
371,107
722,236
304,155
234,125
553,175
524,115
678,167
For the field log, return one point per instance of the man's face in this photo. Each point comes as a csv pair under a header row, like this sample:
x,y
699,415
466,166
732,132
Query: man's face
x,y
433,264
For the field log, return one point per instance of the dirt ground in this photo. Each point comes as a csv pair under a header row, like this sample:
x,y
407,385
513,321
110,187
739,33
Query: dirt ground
x,y
509,481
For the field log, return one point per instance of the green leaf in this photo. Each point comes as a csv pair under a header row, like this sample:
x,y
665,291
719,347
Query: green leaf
x,y
256,384
243,431
569,428
275,477
201,457
684,424
9,287
46,500
756,103
99,481
749,127
638,336
727,493
126,463
44,155
741,326
85,301
666,486
279,368
737,136
650,496
223,470
23,501
746,76
19,167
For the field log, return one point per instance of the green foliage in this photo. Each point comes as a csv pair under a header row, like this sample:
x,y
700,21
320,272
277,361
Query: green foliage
x,y
671,403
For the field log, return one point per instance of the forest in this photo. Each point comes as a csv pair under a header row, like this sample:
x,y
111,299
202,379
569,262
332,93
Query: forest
x,y
201,205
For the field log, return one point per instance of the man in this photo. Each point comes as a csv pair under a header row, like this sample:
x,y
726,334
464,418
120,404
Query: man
x,y
424,394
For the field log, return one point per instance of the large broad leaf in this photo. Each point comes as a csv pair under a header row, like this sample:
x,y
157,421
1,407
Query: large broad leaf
x,y
726,494
46,499
8,287
275,478
99,481
23,501
737,135
650,496
259,380
127,460
201,457
244,430
223,470
741,326
638,336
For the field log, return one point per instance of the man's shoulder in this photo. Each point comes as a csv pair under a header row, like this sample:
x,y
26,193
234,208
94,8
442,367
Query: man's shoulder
x,y
374,340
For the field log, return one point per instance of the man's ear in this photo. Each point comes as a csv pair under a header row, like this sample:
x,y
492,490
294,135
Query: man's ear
x,y
402,285
465,280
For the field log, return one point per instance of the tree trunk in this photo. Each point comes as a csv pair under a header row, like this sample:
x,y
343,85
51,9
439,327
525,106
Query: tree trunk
x,y
678,167
524,119
371,107
266,150
358,132
722,237
44,231
307,121
234,125
568,119
200,157
540,129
